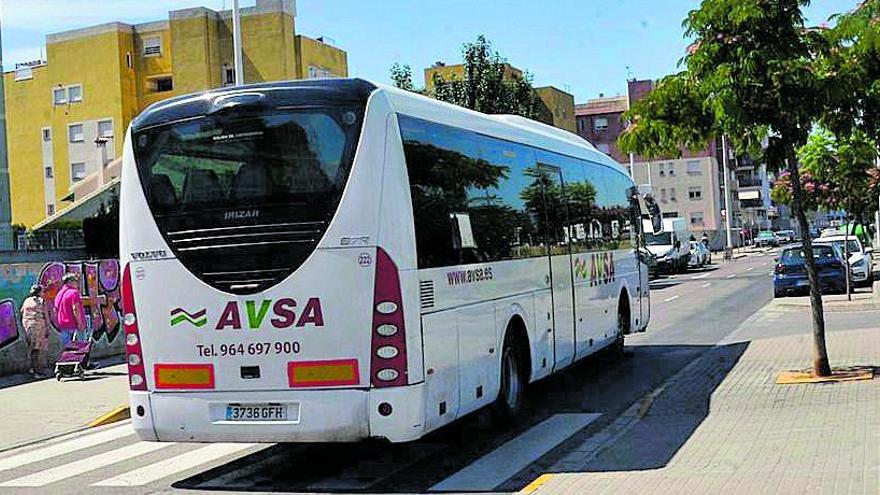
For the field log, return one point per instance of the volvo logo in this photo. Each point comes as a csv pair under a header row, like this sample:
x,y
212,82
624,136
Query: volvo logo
x,y
240,214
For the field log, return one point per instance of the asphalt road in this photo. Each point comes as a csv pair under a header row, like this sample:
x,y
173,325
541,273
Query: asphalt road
x,y
690,313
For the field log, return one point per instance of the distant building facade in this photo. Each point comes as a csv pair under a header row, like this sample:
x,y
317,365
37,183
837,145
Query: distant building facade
x,y
556,105
67,115
691,186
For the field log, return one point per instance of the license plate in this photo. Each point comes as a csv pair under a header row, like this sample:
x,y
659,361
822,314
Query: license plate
x,y
256,412
803,282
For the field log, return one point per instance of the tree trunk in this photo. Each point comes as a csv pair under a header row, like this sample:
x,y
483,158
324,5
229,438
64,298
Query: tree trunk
x,y
821,367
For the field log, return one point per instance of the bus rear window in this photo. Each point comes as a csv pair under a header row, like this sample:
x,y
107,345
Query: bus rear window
x,y
224,163
244,198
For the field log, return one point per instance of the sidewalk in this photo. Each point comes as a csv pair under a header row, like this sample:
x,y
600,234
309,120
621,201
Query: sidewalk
x,y
45,408
723,426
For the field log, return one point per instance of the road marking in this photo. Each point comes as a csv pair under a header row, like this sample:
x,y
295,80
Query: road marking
x,y
174,465
501,464
698,277
731,275
673,298
87,464
707,284
750,268
66,447
534,485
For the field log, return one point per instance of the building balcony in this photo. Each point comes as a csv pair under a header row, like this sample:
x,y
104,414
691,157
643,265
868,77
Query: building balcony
x,y
750,182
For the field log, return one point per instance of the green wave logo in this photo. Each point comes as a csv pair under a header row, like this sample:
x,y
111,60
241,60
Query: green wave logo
x,y
180,315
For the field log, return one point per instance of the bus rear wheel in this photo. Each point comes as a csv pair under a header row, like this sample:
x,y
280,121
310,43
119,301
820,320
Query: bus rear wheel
x,y
511,396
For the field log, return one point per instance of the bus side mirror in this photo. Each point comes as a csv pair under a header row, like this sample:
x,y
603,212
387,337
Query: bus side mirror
x,y
654,214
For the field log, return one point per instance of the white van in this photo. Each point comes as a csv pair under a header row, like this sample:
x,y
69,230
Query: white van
x,y
670,246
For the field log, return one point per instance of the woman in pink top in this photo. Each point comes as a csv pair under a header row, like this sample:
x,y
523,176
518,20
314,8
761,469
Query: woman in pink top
x,y
68,308
35,321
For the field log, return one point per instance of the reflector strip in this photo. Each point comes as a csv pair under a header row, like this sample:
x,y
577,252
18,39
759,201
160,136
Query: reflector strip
x,y
178,376
323,373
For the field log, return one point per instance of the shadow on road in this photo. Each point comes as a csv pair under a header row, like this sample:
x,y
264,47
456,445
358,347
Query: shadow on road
x,y
602,384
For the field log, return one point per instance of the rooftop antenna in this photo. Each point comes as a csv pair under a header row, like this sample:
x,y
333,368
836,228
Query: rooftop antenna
x,y
629,73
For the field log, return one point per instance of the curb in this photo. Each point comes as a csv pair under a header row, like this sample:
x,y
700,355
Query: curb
x,y
115,415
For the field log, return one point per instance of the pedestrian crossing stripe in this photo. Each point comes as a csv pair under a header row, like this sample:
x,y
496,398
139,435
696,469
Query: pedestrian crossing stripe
x,y
92,463
177,464
65,447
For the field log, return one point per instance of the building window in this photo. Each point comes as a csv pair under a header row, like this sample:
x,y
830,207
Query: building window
x,y
228,75
50,173
47,135
672,194
160,84
59,96
77,171
105,128
662,167
75,93
128,61
670,214
23,73
75,132
50,209
694,167
662,194
319,72
696,218
600,124
153,46
695,193
670,168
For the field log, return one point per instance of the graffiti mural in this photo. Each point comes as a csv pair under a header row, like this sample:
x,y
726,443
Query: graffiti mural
x,y
8,323
99,289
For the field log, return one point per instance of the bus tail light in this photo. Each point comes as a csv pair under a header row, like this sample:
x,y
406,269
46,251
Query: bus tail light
x,y
388,347
133,354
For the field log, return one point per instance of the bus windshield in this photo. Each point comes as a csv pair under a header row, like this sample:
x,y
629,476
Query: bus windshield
x,y
661,239
244,198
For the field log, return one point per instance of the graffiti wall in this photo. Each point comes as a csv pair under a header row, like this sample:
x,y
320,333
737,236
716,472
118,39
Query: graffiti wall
x,y
100,296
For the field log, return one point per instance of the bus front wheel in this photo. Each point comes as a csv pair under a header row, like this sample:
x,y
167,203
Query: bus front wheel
x,y
511,396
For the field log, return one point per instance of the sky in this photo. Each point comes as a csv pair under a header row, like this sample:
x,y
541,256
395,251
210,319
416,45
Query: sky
x,y
586,47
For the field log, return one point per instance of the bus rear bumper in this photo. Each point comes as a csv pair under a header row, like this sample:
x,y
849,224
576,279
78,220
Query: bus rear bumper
x,y
313,416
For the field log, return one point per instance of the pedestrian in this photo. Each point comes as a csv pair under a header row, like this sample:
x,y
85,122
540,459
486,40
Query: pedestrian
x,y
35,321
705,240
69,309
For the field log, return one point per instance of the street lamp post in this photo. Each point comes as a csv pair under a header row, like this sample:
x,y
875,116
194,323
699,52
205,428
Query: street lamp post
x,y
728,252
236,44
5,208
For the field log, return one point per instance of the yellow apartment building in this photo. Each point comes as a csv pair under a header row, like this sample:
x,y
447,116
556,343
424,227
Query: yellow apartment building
x,y
557,106
67,115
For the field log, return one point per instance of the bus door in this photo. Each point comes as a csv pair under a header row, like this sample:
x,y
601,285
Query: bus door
x,y
555,220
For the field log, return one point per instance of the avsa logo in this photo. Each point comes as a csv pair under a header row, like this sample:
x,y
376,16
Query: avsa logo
x,y
235,315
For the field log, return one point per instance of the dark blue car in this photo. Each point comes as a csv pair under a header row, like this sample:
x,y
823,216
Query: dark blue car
x,y
791,272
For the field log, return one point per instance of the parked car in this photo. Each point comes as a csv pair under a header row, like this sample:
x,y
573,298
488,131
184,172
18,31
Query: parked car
x,y
861,266
785,236
766,238
790,275
699,254
669,246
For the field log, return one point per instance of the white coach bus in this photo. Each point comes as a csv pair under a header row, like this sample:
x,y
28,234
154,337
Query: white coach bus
x,y
334,260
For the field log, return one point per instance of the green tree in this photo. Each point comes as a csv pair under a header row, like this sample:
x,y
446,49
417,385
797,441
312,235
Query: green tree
x,y
484,87
751,72
402,77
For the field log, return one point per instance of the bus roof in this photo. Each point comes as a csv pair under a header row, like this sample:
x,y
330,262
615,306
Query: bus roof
x,y
508,127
